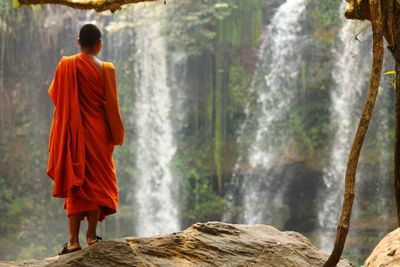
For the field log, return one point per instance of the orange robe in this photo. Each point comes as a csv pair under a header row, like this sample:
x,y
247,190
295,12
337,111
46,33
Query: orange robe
x,y
86,125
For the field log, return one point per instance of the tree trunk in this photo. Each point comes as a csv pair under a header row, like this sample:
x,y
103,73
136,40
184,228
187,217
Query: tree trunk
x,y
98,5
343,228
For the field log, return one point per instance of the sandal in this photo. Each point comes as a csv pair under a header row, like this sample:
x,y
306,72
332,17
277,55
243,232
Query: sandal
x,y
98,239
65,250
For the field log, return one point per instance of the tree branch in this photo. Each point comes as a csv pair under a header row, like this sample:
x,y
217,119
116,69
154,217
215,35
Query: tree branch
x,y
343,228
98,5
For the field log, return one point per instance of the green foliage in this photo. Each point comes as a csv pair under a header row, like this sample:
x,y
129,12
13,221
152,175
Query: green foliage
x,y
198,26
324,19
303,68
324,13
218,134
5,8
239,81
233,29
199,200
243,26
192,27
203,204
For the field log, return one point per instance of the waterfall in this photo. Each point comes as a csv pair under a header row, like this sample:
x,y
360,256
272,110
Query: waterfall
x,y
349,76
274,88
385,172
157,210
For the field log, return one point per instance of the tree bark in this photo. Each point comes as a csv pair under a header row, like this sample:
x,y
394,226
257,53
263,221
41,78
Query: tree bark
x,y
343,228
98,5
358,9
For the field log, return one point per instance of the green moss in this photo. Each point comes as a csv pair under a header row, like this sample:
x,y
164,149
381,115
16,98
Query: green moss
x,y
240,29
217,126
324,20
210,97
304,75
243,25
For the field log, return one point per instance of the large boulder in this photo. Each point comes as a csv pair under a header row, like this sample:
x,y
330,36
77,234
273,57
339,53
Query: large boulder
x,y
387,252
202,244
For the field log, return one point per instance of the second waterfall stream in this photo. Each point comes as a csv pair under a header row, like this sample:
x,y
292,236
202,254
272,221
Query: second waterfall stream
x,y
274,87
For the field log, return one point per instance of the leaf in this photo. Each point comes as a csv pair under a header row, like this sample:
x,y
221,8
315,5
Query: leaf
x,y
392,72
16,3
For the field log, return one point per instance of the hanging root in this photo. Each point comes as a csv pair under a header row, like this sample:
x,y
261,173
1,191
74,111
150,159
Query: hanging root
x,y
377,29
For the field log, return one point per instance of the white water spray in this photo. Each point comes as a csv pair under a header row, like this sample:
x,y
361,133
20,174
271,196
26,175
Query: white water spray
x,y
279,66
349,78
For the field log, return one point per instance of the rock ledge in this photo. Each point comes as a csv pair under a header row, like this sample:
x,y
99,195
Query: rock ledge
x,y
202,244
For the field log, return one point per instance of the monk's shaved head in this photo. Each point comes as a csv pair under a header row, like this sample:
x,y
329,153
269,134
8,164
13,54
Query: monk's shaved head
x,y
89,35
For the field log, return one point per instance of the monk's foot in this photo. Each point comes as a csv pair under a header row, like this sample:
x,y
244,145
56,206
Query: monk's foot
x,y
69,248
73,245
91,241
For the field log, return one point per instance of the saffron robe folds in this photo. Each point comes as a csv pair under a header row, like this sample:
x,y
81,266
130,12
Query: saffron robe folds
x,y
86,125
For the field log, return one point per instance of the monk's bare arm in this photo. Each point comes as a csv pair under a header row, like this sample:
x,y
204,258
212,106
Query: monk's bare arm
x,y
111,105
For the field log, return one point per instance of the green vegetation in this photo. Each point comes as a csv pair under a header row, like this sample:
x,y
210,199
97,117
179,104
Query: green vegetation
x,y
221,37
193,25
324,19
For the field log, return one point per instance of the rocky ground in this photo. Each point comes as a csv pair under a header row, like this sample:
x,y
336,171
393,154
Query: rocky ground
x,y
202,244
387,252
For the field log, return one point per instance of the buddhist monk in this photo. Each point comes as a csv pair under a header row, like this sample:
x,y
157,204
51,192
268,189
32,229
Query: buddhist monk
x,y
86,126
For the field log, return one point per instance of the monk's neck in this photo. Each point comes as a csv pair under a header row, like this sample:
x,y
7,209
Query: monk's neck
x,y
92,57
88,53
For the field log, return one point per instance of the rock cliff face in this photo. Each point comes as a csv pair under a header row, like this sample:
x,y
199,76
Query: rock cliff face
x,y
202,244
387,252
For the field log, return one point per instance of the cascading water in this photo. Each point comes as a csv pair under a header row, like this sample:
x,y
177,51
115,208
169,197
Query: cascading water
x,y
157,208
349,75
385,173
274,88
